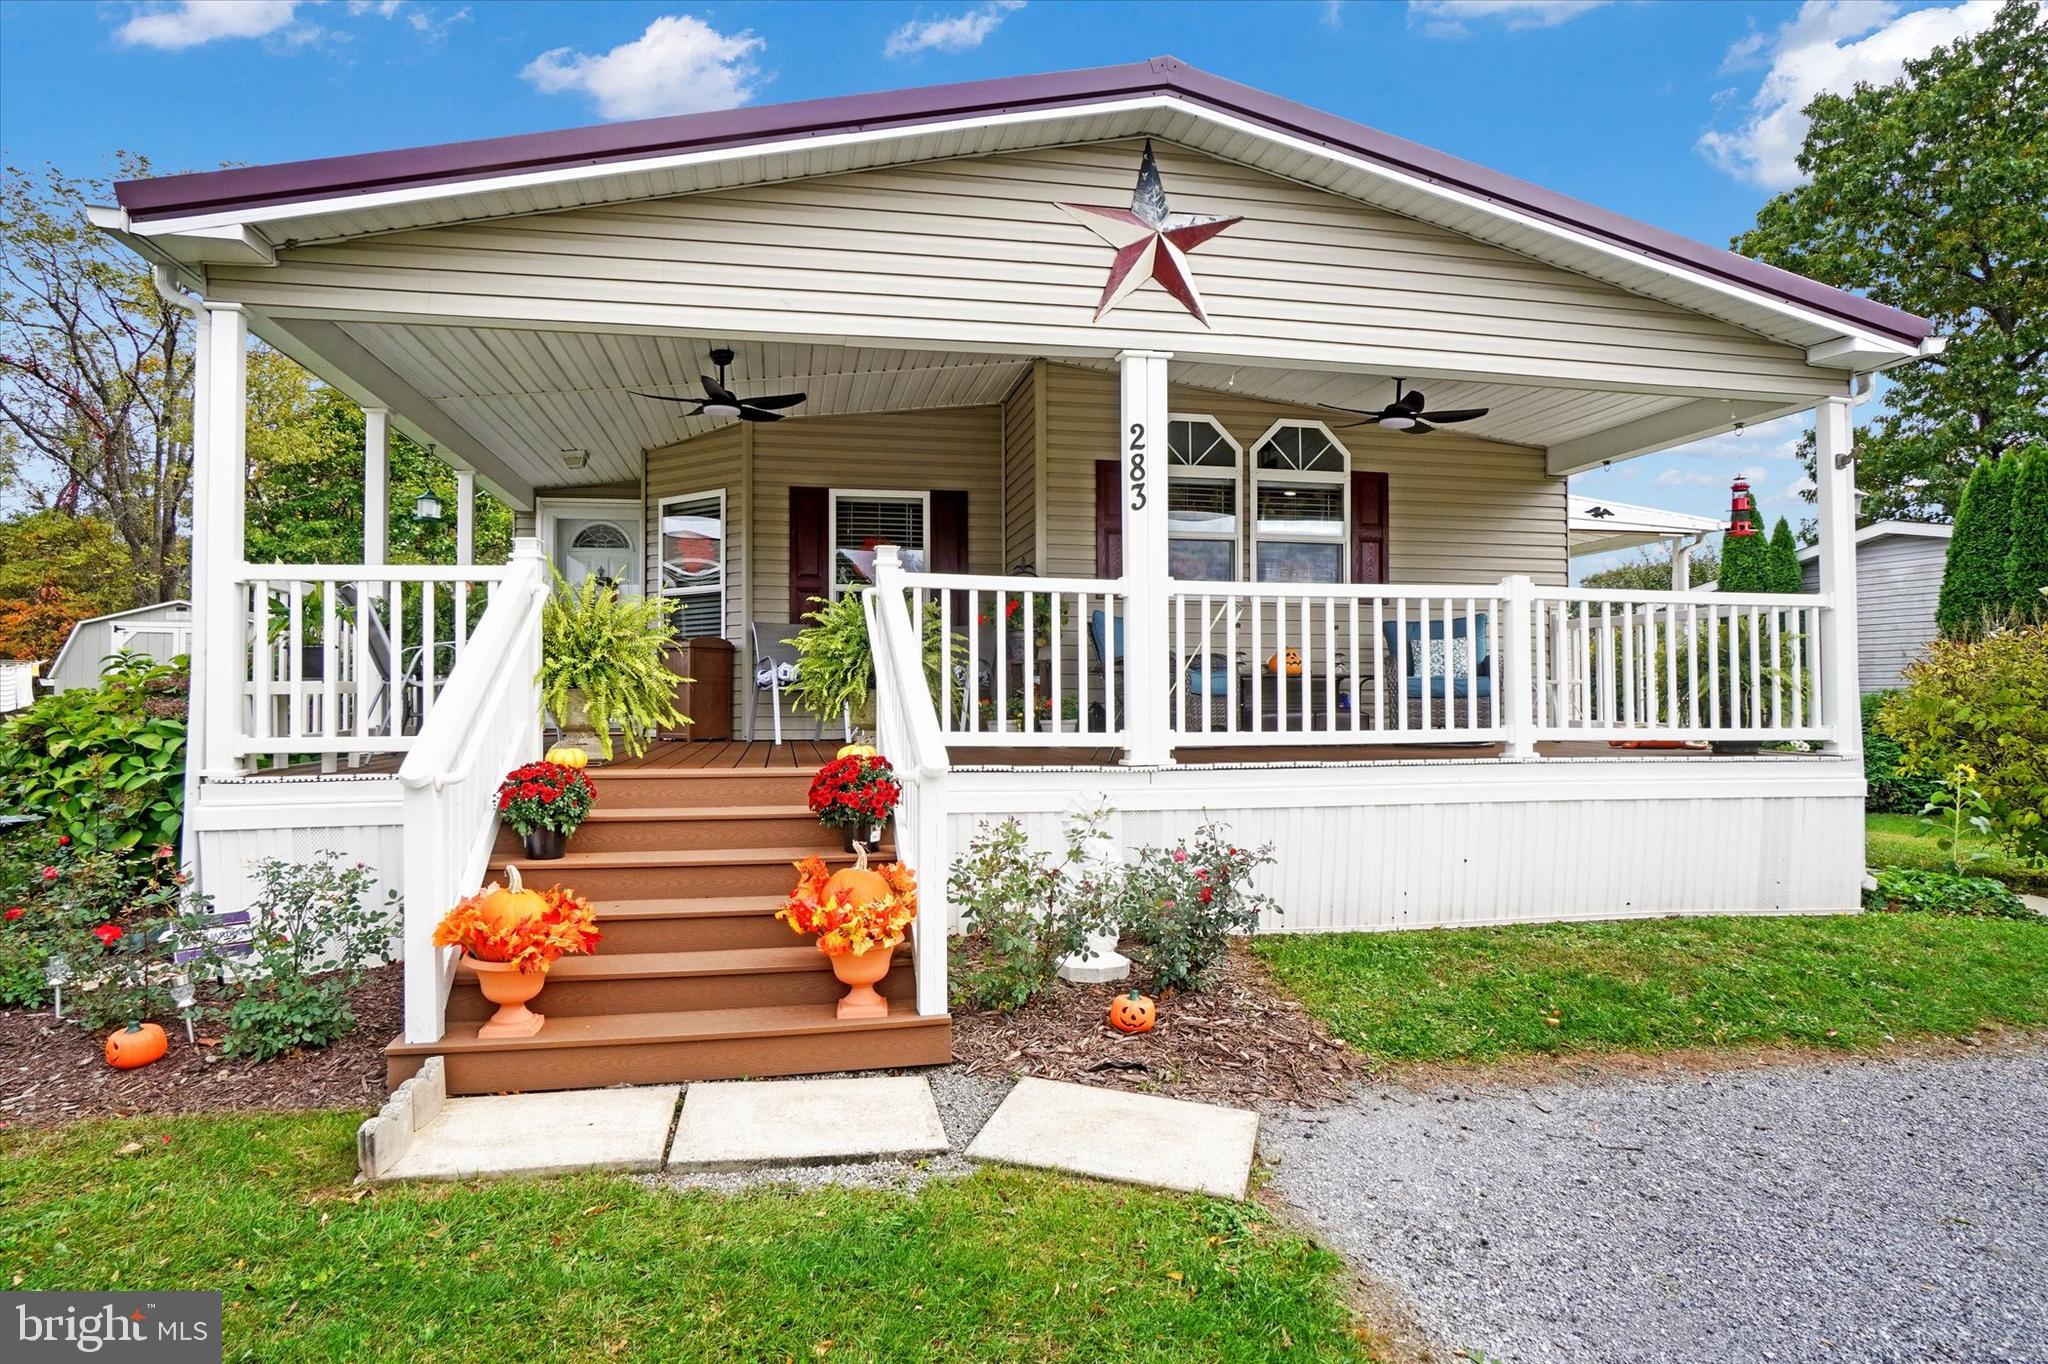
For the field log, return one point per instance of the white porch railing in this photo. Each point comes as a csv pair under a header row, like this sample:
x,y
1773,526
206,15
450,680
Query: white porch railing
x,y
1660,666
1023,661
350,658
907,730
486,722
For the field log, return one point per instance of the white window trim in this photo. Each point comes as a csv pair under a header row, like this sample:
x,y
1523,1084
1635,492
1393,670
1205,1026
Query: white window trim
x,y
1301,478
668,593
924,499
1198,474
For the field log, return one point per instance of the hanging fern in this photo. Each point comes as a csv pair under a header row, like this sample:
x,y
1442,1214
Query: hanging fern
x,y
836,663
606,650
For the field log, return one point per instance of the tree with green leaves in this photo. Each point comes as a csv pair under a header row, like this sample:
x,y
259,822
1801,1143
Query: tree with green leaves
x,y
1781,561
1926,194
2026,562
1974,586
1651,572
77,553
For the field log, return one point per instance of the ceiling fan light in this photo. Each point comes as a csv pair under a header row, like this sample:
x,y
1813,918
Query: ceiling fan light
x,y
1397,423
720,410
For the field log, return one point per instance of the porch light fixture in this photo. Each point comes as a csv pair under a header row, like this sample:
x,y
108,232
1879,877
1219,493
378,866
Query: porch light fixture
x,y
1398,422
427,509
714,408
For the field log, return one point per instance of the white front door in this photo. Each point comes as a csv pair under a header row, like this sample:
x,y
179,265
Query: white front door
x,y
597,540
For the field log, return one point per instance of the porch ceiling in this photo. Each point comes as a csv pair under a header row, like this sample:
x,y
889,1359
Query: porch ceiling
x,y
530,396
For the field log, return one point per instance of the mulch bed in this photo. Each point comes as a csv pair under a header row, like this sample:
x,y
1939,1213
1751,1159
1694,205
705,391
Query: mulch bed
x,y
1240,1041
54,1071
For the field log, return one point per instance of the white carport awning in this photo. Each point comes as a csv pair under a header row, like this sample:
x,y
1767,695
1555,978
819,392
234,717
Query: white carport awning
x,y
1599,526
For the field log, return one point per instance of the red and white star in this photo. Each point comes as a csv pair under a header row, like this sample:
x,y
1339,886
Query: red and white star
x,y
1150,242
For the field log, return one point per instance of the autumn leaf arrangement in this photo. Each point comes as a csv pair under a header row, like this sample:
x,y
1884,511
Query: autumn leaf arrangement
x,y
854,911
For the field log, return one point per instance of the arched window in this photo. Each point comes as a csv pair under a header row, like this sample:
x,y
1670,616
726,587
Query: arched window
x,y
602,535
1299,504
1201,500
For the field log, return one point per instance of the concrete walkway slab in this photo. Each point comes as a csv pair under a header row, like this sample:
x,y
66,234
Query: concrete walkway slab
x,y
731,1124
1131,1138
532,1134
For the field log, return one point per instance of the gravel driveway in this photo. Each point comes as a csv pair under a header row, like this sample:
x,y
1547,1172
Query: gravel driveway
x,y
1848,1211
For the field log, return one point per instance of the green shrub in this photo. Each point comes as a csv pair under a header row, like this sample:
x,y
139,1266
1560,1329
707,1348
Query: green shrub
x,y
315,935
1023,912
102,910
1180,906
1891,792
2026,562
608,653
105,765
836,661
1940,892
1975,707
1975,586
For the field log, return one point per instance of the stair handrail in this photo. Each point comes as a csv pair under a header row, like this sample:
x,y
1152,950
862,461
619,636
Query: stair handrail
x,y
907,731
487,722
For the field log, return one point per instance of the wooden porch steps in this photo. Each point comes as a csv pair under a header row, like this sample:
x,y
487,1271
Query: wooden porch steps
x,y
694,978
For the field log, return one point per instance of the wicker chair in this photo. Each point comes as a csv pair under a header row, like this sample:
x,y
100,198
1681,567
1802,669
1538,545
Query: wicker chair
x,y
1424,681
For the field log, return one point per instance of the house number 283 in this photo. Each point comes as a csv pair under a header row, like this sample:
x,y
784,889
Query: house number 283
x,y
1137,473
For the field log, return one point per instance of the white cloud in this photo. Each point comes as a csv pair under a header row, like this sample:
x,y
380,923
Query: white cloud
x,y
680,65
192,22
955,34
1829,45
1452,18
1333,13
1711,478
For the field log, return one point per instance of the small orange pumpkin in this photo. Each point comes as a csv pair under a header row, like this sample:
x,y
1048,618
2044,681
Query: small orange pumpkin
x,y
135,1045
1289,658
857,884
1132,1013
504,908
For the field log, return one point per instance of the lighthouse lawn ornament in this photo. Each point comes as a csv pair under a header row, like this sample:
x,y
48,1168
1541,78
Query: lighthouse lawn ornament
x,y
1741,511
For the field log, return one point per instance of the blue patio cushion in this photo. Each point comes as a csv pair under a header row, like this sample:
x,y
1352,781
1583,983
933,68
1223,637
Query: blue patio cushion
x,y
1095,632
1216,683
1418,656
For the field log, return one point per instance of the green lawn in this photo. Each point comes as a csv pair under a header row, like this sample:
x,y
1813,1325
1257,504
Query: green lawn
x,y
1848,981
999,1266
1899,841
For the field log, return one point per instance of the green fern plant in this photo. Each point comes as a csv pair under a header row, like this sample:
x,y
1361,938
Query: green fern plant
x,y
836,662
605,651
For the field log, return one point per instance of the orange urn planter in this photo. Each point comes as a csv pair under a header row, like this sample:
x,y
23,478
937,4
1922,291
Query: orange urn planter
x,y
863,973
509,988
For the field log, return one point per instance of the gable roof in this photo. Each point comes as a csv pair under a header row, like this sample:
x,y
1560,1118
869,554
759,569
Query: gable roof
x,y
1887,530
385,191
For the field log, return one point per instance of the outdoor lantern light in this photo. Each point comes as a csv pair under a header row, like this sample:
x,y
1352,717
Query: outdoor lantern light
x,y
428,508
56,971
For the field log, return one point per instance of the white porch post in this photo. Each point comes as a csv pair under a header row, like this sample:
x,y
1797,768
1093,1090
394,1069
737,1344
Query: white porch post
x,y
1834,475
1681,562
1141,439
465,517
1514,680
219,496
376,485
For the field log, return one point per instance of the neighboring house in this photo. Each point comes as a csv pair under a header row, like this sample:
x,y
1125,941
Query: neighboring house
x,y
1156,456
1600,526
162,632
17,684
1899,565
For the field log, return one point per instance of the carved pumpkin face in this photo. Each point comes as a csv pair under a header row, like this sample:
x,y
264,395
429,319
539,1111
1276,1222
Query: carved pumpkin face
x,y
856,884
135,1045
1132,1013
504,908
1288,660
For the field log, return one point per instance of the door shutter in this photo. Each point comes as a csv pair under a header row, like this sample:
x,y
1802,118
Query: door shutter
x,y
810,549
1109,518
1368,527
948,531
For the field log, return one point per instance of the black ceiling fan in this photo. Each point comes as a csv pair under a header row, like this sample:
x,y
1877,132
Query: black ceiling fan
x,y
1406,413
720,401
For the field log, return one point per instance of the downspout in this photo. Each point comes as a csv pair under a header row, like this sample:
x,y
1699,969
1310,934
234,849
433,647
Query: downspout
x,y
166,280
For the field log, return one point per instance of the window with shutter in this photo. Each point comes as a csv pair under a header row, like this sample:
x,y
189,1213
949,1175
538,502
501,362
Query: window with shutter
x,y
863,520
693,562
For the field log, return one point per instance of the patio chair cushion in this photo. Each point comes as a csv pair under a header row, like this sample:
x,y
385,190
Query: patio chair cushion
x,y
1096,623
1434,656
1216,683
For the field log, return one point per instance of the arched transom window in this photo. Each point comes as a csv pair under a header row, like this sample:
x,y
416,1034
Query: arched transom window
x,y
1201,500
1299,490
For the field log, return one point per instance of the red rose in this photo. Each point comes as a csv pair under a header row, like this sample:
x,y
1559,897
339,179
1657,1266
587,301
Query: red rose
x,y
13,914
163,852
49,873
63,840
1208,894
108,934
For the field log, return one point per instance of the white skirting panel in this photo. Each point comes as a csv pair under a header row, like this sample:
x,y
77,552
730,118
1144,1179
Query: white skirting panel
x,y
1441,844
239,823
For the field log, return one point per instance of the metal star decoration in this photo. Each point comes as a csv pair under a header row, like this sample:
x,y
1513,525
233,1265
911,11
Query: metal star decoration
x,y
1150,242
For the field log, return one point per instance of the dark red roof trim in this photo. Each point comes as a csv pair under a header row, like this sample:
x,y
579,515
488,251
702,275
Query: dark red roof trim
x,y
455,162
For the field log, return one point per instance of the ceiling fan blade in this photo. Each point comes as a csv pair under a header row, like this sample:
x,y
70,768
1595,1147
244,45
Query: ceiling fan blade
x,y
717,392
750,413
776,400
1462,414
1411,400
1419,429
664,397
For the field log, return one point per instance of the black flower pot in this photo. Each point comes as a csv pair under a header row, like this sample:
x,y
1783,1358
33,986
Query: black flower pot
x,y
545,845
866,835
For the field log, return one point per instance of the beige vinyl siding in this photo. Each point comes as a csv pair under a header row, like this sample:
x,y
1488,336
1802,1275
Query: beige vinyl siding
x,y
709,463
958,447
974,253
1460,510
1020,475
1898,583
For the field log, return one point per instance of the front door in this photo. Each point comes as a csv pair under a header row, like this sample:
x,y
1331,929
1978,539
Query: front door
x,y
598,540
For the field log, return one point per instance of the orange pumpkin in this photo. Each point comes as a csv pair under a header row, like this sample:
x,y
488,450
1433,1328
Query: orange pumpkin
x,y
135,1045
1132,1013
1292,663
504,908
857,884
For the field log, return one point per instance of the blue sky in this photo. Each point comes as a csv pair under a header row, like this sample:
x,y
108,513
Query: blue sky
x,y
1681,114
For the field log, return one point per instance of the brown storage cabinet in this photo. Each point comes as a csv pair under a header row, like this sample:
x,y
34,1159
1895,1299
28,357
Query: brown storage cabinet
x,y
707,699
